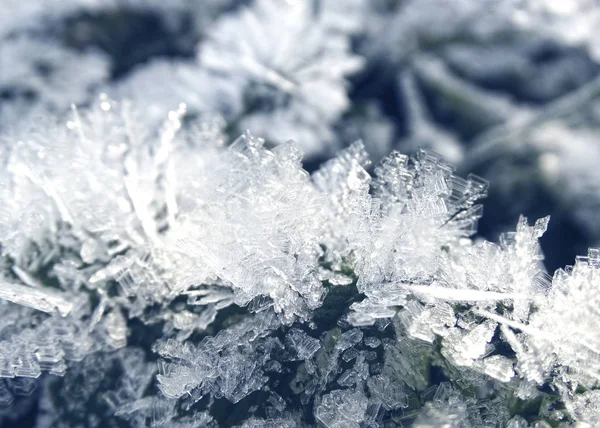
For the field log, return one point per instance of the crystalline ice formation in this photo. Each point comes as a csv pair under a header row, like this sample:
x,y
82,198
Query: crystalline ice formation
x,y
303,345
516,280
43,300
572,335
290,422
395,235
230,257
41,344
228,365
106,155
514,268
555,341
408,201
96,396
585,407
342,408
257,226
384,237
345,183
272,298
169,222
154,230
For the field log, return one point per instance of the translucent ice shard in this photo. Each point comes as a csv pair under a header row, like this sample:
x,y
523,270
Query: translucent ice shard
x,y
229,365
341,409
464,348
348,339
499,367
42,299
304,345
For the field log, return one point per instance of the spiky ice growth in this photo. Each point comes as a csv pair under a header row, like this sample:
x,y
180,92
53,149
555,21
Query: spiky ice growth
x,y
329,299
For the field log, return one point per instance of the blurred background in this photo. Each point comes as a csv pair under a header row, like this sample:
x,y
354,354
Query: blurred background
x,y
506,89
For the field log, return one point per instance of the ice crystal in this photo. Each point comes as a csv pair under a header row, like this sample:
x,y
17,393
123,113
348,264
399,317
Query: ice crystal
x,y
243,270
342,408
160,265
267,249
151,223
410,200
229,365
566,333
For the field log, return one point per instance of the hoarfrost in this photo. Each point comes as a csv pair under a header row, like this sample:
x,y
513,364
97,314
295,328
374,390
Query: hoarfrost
x,y
342,408
246,268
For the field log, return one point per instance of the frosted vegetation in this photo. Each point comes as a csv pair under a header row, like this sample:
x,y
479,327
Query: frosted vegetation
x,y
164,266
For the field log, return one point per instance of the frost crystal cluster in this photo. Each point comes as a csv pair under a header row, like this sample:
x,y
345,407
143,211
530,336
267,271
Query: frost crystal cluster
x,y
267,213
323,299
